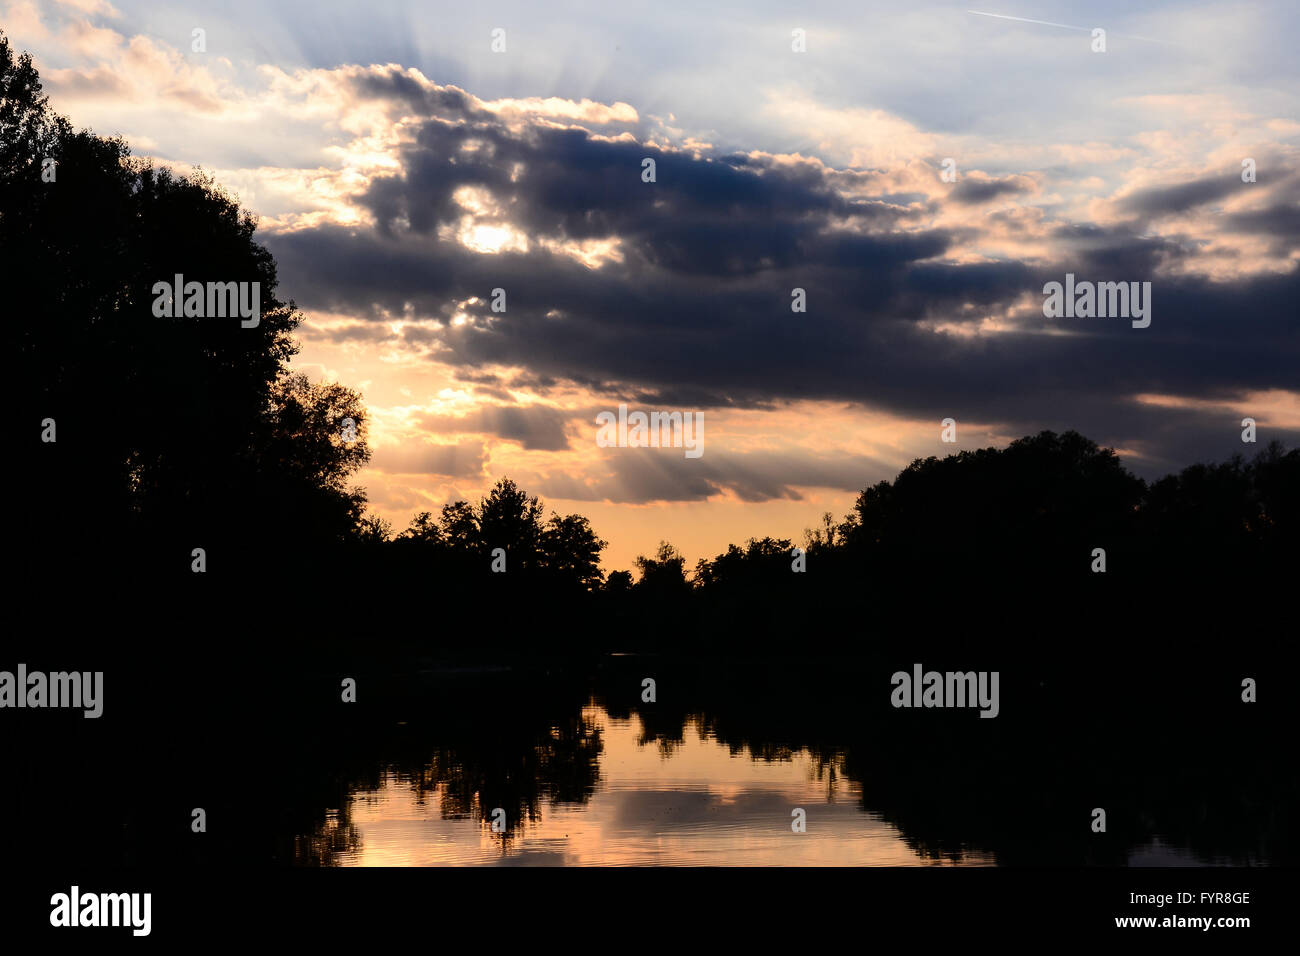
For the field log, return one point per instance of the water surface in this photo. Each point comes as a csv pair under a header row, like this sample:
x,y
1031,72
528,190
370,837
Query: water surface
x,y
654,802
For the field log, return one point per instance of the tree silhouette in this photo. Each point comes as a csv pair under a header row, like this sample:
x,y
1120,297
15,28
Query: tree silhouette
x,y
1032,508
170,433
663,577
564,551
757,566
183,433
1236,515
508,518
571,552
177,433
459,527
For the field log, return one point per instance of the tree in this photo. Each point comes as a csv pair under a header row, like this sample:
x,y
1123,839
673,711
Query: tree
x,y
508,518
824,538
618,582
571,552
170,431
664,575
1030,508
759,566
423,529
1238,517
459,527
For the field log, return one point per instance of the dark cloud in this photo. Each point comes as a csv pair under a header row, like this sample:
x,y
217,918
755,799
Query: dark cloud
x,y
393,84
1281,224
639,475
463,460
1275,216
355,332
1167,200
478,378
496,394
697,312
973,189
536,427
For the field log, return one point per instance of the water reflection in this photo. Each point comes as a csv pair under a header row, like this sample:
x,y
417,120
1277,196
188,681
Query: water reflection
x,y
588,772
622,797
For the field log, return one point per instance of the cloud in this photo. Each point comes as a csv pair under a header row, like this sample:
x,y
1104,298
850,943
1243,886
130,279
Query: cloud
x,y
1167,200
401,203
976,188
640,475
100,7
463,460
536,427
904,316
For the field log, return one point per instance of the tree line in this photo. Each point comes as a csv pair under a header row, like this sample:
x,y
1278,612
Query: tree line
x,y
143,437
1037,508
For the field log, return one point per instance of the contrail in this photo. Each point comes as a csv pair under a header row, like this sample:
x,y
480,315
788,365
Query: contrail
x,y
1066,26
1046,23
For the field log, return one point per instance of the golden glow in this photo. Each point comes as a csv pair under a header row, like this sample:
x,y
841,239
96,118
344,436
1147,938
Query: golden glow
x,y
700,805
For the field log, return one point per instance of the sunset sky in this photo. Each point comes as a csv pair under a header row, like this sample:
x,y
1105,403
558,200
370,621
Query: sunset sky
x,y
402,170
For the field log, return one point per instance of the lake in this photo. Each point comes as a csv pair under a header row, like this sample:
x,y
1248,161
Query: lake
x,y
565,760
696,802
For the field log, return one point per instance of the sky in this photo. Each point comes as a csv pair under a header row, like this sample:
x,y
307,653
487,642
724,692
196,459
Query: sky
x,y
921,171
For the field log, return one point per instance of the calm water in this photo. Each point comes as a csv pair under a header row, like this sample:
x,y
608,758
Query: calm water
x,y
692,802
707,772
589,774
